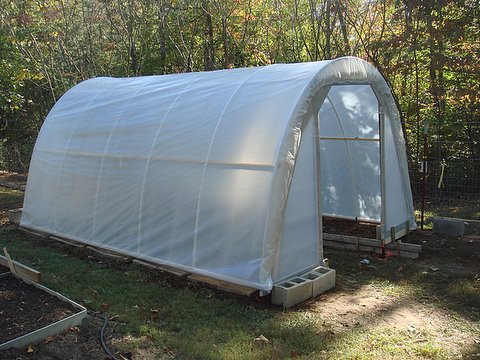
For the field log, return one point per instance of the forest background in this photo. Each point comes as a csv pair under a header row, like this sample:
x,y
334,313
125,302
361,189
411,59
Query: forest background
x,y
428,51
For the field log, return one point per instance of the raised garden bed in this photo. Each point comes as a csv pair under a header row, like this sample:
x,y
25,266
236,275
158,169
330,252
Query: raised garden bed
x,y
345,234
349,227
30,312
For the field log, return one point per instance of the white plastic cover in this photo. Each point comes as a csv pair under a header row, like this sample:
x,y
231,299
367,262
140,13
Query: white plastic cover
x,y
195,170
350,153
300,225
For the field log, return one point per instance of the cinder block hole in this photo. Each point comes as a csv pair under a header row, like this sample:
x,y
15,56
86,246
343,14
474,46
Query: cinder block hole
x,y
287,285
311,276
322,271
298,280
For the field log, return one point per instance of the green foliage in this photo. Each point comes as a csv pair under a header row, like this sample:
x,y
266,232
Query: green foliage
x,y
10,199
428,51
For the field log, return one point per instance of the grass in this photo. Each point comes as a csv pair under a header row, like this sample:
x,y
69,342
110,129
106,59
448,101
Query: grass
x,y
448,207
387,344
197,323
10,199
416,280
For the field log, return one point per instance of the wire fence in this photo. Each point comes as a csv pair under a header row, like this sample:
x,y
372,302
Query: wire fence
x,y
452,186
455,178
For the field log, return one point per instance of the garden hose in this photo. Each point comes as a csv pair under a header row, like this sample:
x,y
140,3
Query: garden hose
x,y
102,334
102,340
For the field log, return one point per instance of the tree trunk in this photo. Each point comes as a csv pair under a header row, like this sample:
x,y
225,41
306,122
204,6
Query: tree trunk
x,y
226,61
162,36
315,27
208,40
342,10
328,33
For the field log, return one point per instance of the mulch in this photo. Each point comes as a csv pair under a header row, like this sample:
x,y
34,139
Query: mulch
x,y
75,343
25,308
4,269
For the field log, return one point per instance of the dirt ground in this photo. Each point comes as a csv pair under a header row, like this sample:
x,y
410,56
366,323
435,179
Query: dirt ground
x,y
76,343
350,304
353,302
25,308
369,307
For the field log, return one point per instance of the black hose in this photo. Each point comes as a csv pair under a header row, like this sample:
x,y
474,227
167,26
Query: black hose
x,y
102,340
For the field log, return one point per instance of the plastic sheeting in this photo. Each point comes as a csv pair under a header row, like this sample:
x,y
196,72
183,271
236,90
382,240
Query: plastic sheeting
x,y
215,172
350,153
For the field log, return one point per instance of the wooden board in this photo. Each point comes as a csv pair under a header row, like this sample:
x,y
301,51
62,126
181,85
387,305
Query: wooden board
x,y
398,245
68,242
146,264
39,234
223,285
164,268
372,242
217,284
100,251
11,185
345,242
173,271
376,250
23,270
109,253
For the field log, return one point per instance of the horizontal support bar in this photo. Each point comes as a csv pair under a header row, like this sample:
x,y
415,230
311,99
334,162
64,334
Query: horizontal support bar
x,y
202,162
343,217
348,138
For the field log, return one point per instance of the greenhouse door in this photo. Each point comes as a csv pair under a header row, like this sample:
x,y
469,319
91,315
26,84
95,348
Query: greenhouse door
x,y
350,153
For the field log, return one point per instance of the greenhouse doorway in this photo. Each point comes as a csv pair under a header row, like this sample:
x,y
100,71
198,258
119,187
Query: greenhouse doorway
x,y
351,161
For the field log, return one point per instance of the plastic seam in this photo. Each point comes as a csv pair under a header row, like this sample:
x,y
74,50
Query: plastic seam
x,y
157,134
104,155
202,181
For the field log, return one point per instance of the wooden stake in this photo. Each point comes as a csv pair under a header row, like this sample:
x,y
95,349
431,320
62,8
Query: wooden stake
x,y
22,270
9,261
392,234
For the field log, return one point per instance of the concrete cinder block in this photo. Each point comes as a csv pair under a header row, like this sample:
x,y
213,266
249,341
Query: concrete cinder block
x,y
303,287
15,216
322,278
291,292
455,227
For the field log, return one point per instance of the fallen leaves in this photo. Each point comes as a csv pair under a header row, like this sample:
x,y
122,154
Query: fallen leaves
x,y
153,314
262,339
